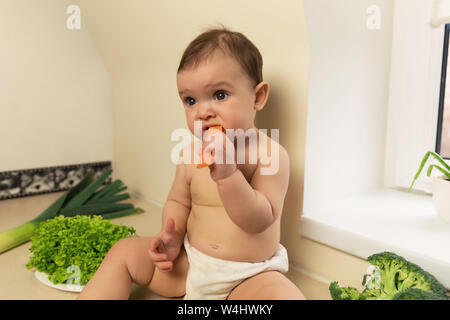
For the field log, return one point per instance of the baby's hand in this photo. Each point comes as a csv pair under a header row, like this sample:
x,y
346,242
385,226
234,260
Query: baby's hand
x,y
165,247
218,147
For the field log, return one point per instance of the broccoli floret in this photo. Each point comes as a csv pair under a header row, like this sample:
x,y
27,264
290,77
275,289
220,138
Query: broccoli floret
x,y
418,294
398,274
372,294
343,293
400,280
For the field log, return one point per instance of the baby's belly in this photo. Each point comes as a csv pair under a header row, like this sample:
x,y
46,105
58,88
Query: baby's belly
x,y
212,232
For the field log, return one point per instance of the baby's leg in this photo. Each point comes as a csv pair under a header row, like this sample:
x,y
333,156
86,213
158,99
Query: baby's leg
x,y
128,261
268,285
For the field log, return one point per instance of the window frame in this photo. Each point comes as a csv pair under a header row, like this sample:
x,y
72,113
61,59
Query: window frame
x,y
415,85
442,91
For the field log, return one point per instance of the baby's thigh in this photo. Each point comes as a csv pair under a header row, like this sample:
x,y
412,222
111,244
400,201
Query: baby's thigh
x,y
268,285
171,284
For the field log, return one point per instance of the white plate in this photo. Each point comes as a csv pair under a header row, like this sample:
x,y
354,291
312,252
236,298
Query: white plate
x,y
43,277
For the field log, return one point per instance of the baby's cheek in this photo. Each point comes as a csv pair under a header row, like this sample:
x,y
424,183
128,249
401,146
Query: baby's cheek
x,y
234,120
192,129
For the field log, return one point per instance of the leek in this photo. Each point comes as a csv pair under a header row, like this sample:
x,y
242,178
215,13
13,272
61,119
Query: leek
x,y
76,201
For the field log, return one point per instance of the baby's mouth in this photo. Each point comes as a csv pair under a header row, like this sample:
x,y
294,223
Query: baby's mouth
x,y
205,131
206,128
215,126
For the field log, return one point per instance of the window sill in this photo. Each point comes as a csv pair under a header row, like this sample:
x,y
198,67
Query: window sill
x,y
385,220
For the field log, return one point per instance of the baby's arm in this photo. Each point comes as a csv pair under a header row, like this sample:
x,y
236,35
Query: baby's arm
x,y
178,202
255,206
166,245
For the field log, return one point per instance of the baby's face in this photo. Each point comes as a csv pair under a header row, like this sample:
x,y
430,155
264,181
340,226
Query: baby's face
x,y
217,92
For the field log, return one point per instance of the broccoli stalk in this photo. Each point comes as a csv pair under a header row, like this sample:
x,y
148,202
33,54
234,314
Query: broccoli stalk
x,y
390,268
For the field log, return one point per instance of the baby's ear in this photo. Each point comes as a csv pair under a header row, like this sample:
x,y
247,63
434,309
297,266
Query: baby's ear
x,y
261,95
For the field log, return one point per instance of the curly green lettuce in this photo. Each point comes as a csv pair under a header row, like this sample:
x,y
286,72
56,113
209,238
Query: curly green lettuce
x,y
63,245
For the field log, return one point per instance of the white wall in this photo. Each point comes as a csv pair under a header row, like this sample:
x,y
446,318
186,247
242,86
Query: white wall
x,y
55,93
348,96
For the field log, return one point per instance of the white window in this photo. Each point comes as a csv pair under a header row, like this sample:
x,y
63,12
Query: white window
x,y
373,113
414,94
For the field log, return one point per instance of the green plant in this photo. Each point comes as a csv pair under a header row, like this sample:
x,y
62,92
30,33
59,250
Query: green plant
x,y
343,293
397,277
417,294
445,169
61,243
82,199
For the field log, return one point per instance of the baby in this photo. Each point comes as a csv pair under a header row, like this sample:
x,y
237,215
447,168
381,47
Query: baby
x,y
220,236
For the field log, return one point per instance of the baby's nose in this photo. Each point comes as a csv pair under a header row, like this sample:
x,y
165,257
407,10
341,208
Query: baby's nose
x,y
205,111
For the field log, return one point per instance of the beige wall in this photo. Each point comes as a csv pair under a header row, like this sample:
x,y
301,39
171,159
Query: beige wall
x,y
55,92
141,43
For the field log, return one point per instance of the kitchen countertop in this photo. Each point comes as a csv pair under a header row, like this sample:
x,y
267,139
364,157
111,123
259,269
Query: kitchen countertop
x,y
18,282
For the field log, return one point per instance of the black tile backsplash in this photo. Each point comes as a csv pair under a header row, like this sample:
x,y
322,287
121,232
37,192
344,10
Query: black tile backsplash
x,y
30,182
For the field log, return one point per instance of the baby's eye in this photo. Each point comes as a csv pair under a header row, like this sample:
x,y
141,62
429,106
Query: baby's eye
x,y
221,95
190,101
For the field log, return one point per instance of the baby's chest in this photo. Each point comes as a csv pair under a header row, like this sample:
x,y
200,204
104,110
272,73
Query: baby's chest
x,y
204,190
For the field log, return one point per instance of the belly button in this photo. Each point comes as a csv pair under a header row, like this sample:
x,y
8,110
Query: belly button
x,y
214,246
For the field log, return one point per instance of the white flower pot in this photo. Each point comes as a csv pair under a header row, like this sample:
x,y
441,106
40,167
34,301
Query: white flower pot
x,y
441,196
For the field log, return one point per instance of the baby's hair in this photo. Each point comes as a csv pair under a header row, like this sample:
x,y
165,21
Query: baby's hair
x,y
229,42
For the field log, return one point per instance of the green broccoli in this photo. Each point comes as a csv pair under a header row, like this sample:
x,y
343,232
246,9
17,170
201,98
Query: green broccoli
x,y
418,294
399,280
343,293
398,274
372,294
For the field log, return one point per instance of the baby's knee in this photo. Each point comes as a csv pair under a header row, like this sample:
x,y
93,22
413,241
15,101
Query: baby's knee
x,y
120,250
281,292
132,254
279,287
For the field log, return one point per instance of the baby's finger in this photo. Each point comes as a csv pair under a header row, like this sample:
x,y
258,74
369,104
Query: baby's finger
x,y
208,154
170,226
157,256
165,266
198,150
156,245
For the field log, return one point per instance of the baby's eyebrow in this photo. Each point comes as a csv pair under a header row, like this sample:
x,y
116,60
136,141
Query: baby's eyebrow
x,y
214,84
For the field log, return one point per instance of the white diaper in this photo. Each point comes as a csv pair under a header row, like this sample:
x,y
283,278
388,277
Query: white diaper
x,y
212,278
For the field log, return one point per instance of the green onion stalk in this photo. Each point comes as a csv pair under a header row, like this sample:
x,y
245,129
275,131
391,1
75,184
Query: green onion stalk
x,y
445,169
82,199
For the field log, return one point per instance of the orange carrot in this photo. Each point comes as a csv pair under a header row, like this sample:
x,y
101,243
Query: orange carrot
x,y
206,158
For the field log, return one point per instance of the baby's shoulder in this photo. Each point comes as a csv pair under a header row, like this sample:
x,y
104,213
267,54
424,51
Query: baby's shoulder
x,y
270,146
273,157
187,159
